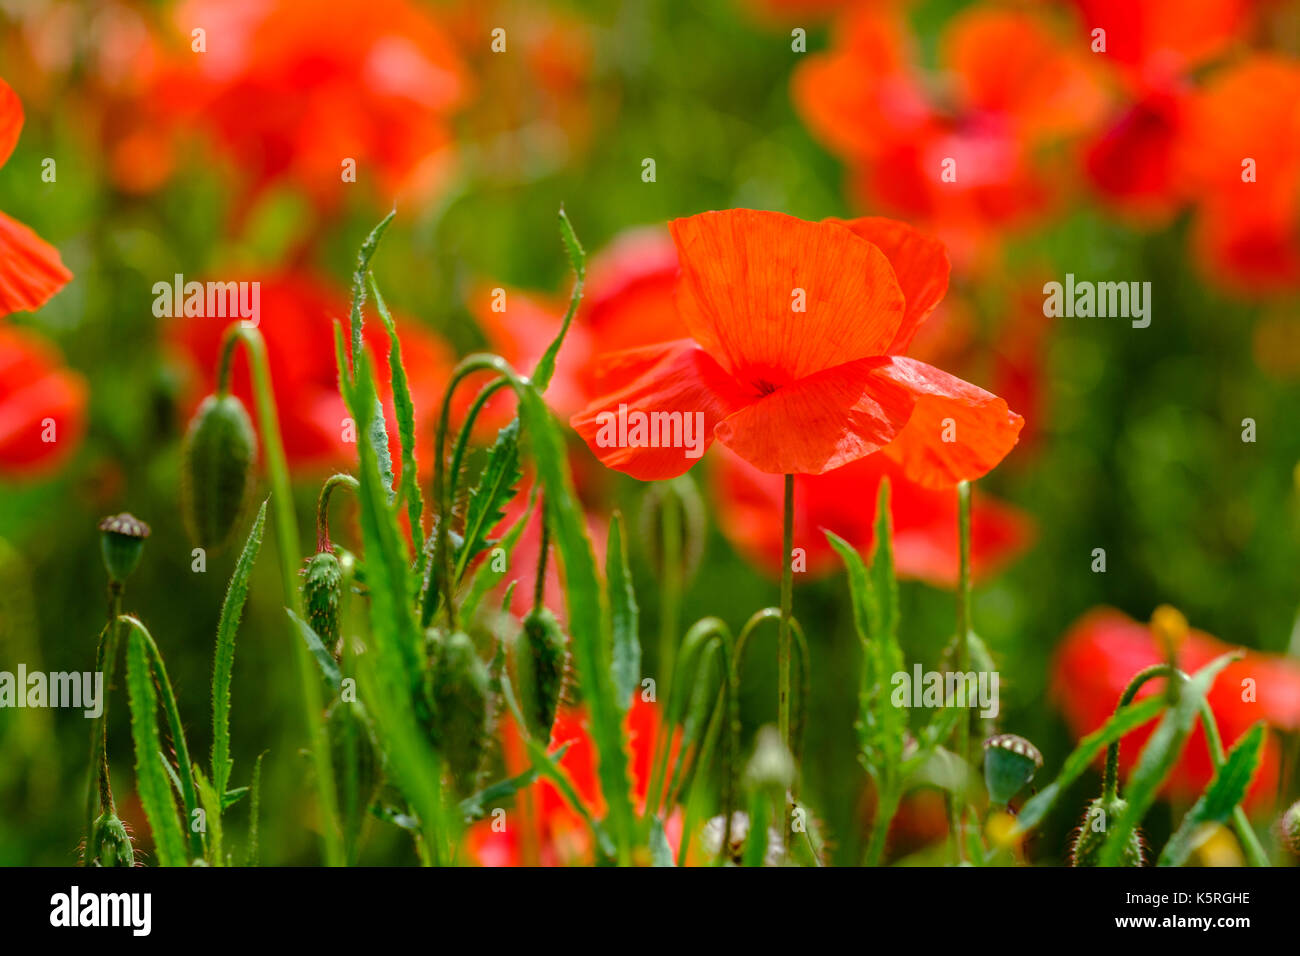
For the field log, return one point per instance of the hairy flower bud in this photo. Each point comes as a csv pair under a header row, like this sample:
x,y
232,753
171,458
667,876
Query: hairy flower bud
x,y
216,471
1288,828
459,692
540,658
322,590
110,843
1088,841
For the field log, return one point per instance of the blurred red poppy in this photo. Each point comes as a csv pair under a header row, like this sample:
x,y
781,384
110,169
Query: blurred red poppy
x,y
1136,163
1244,153
794,360
544,829
844,501
290,92
963,163
30,268
297,312
42,405
1105,649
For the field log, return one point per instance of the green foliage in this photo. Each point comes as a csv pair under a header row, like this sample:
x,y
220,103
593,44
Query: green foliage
x,y
623,616
151,779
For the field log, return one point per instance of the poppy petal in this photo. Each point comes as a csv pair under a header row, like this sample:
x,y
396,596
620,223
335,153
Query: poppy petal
x,y
36,391
921,264
822,421
957,432
30,268
775,299
11,120
672,379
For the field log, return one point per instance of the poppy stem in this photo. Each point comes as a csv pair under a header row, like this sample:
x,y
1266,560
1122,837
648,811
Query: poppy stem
x,y
783,650
963,639
323,542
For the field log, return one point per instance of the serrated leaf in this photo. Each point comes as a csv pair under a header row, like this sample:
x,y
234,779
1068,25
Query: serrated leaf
x,y
475,806
404,408
487,502
212,817
364,255
329,668
223,663
541,376
232,797
626,664
151,780
1226,790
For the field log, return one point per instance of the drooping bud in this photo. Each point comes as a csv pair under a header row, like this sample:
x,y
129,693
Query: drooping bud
x,y
1288,829
216,470
121,541
772,765
322,591
110,843
459,692
540,658
1010,762
1088,841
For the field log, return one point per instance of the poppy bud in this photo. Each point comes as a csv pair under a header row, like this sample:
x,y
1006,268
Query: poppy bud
x,y
346,729
216,472
121,540
540,657
110,843
460,704
772,764
1091,835
1288,828
1010,762
322,588
1169,627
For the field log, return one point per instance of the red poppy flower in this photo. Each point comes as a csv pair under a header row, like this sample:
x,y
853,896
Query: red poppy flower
x,y
543,829
1136,164
30,268
844,501
42,405
794,360
1244,153
288,91
964,163
1105,649
297,312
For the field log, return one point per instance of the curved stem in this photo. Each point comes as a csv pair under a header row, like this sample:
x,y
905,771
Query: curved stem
x,y
539,584
286,533
1110,776
323,542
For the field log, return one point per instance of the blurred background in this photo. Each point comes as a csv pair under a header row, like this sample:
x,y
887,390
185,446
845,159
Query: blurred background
x,y
211,139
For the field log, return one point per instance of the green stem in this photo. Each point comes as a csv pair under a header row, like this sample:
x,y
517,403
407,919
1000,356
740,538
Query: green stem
x,y
287,541
783,646
323,508
958,814
1110,775
670,584
99,785
887,801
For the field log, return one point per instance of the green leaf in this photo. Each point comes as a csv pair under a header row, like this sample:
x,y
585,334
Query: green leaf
x,y
578,260
232,797
486,577
356,320
212,816
151,779
1221,797
1159,756
661,854
487,502
1120,723
626,666
474,807
223,663
404,407
254,811
329,668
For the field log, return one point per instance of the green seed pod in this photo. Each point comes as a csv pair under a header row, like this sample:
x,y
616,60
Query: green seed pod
x,y
110,843
540,658
322,590
351,746
121,541
217,470
1288,828
460,704
1010,762
1091,835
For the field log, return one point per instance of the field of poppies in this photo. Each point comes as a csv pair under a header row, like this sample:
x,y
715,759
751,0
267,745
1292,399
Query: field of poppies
x,y
663,432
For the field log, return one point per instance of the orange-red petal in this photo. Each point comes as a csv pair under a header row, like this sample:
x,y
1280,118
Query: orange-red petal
x,y
11,120
673,378
957,432
30,268
920,263
774,299
36,391
821,422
